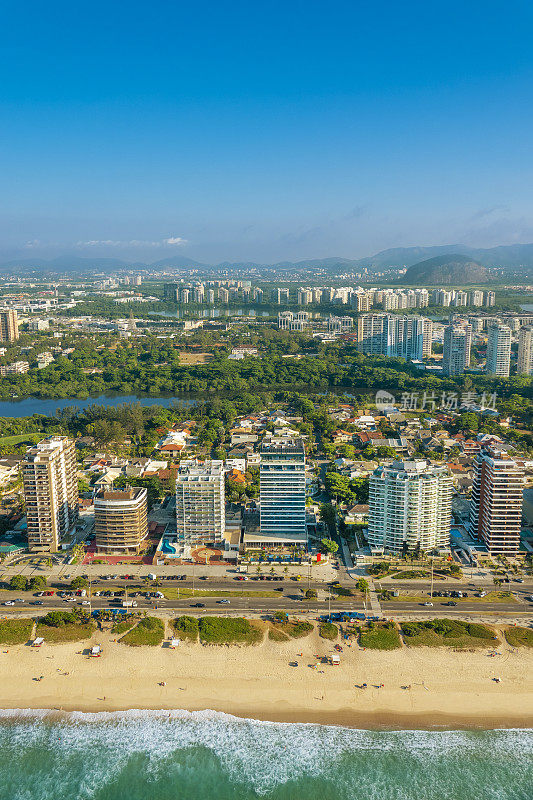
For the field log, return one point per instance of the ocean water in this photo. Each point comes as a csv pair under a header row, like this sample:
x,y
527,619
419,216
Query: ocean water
x,y
168,756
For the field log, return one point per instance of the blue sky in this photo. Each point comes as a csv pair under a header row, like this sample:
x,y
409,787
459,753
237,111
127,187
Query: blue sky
x,y
263,130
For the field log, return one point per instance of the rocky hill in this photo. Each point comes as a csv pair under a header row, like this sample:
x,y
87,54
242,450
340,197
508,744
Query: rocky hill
x,y
452,269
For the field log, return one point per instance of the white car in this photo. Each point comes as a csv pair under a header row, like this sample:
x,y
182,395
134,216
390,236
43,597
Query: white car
x,y
85,603
9,603
427,603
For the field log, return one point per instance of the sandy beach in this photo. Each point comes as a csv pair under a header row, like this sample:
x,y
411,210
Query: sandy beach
x,y
440,688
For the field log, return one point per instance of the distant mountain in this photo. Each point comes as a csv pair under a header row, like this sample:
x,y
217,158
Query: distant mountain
x,y
509,258
446,270
405,256
66,264
178,261
513,256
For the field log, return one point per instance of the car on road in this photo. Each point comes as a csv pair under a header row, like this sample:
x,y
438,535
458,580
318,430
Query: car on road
x,y
9,603
36,603
85,603
450,603
198,605
19,600
223,602
427,603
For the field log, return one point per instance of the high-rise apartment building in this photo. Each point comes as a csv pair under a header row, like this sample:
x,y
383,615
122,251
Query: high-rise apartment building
x,y
442,297
499,351
121,520
304,297
410,507
282,492
454,350
9,326
340,324
475,297
408,337
489,299
525,351
496,502
171,292
200,503
460,298
360,301
50,492
290,321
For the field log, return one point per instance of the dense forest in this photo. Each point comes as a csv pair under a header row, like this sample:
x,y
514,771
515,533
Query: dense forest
x,y
152,366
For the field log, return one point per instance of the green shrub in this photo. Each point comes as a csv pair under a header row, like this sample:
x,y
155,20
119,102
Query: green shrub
x,y
380,638
450,632
37,583
149,631
64,626
228,630
519,637
57,619
275,635
186,627
18,583
328,630
298,629
15,631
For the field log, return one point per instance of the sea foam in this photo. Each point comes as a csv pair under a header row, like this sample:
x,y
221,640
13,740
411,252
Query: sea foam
x,y
256,754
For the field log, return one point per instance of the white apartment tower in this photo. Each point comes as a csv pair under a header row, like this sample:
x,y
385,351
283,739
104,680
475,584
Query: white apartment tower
x,y
525,351
408,337
496,503
499,351
410,507
200,503
50,492
454,351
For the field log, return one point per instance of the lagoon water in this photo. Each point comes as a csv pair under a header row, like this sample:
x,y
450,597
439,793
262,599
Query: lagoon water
x,y
47,406
158,755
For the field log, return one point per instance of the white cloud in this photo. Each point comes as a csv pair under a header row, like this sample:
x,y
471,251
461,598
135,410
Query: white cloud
x,y
172,240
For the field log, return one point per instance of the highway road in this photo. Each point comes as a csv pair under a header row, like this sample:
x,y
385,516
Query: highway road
x,y
289,599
